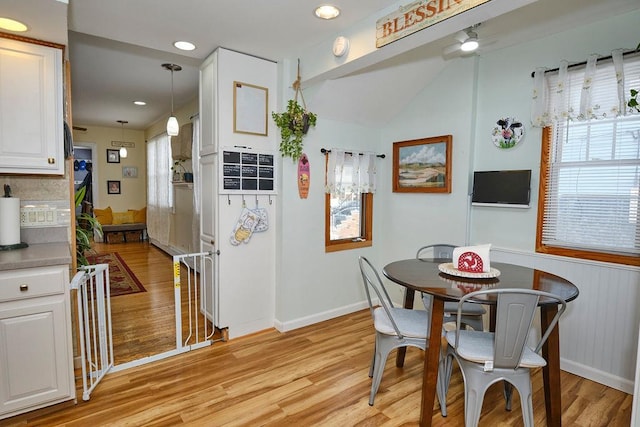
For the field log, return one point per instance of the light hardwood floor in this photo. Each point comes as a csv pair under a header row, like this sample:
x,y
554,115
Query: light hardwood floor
x,y
144,323
312,376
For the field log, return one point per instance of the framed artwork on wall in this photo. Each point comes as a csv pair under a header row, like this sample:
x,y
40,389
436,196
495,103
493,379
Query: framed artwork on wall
x,y
129,172
113,187
422,165
113,156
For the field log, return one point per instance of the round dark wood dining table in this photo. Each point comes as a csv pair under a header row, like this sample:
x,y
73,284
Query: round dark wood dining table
x,y
423,275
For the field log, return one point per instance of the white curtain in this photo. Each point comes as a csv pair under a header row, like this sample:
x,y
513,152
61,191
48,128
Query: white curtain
x,y
351,173
159,192
583,94
195,165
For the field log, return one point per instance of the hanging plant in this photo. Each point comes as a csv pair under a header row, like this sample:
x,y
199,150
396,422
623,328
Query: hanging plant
x,y
294,123
633,101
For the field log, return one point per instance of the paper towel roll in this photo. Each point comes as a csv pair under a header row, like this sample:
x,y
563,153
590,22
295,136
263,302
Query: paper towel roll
x,y
9,221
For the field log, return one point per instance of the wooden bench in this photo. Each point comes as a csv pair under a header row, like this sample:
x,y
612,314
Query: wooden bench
x,y
124,229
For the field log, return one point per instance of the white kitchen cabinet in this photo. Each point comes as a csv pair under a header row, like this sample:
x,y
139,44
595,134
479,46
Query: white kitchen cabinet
x,y
36,356
31,108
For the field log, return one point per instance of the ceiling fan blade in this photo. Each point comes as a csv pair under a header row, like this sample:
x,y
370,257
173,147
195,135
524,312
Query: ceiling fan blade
x,y
451,50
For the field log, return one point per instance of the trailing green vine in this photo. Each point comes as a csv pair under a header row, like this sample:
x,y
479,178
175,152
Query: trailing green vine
x,y
293,124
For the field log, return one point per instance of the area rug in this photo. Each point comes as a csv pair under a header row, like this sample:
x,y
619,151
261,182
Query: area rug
x,y
121,279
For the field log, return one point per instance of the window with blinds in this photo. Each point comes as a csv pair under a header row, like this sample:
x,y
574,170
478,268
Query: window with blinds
x,y
590,169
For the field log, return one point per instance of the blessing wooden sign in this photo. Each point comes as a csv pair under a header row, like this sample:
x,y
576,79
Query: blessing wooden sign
x,y
417,16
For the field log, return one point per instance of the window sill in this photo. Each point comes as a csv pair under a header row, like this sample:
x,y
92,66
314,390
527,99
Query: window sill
x,y
343,246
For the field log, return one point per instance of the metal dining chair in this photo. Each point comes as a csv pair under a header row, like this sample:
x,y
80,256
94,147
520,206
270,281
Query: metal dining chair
x,y
472,314
395,326
488,357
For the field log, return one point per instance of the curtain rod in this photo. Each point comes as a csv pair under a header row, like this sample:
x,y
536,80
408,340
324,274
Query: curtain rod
x,y
583,63
325,151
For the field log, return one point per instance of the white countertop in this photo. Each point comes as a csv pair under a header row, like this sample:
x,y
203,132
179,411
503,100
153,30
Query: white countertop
x,y
36,255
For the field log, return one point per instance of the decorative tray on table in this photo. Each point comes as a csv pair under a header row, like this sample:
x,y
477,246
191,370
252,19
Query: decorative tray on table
x,y
449,268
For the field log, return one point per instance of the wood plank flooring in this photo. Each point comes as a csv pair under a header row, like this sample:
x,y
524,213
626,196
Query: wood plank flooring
x,y
312,376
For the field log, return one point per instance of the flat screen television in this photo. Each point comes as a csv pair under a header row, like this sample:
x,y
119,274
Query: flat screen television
x,y
506,188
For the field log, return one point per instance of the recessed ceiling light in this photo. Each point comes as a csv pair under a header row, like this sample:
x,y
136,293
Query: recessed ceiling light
x,y
327,11
12,25
184,45
139,102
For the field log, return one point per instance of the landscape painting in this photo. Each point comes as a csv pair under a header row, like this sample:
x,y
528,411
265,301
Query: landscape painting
x,y
422,165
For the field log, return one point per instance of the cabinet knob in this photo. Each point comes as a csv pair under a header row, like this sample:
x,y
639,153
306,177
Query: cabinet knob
x,y
24,287
51,161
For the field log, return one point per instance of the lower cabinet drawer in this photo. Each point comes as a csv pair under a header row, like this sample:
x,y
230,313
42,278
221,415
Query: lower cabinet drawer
x,y
32,282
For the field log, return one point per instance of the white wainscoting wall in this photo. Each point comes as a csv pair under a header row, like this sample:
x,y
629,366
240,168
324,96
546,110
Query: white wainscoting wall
x,y
599,330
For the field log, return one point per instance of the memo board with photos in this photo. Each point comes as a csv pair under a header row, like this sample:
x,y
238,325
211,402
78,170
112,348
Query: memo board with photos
x,y
247,171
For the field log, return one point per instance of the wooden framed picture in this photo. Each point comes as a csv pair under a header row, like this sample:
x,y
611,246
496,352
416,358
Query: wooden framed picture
x,y
113,187
422,165
113,156
250,108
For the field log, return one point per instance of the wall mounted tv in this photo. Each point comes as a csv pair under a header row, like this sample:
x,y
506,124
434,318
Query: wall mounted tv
x,y
507,188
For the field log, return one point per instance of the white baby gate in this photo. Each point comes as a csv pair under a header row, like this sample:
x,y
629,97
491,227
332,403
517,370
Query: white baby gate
x,y
94,324
94,315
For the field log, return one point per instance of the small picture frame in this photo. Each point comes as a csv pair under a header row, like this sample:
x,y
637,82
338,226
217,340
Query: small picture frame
x,y
113,156
422,165
129,172
113,187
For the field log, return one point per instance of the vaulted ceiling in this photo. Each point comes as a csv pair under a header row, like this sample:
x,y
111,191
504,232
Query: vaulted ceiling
x,y
116,48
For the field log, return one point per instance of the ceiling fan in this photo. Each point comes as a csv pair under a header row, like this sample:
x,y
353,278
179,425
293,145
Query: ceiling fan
x,y
467,43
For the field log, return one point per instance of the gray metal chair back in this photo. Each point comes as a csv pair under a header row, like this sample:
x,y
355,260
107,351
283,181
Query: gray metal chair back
x,y
514,315
373,282
438,250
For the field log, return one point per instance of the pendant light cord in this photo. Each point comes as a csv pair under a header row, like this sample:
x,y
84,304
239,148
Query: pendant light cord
x,y
172,91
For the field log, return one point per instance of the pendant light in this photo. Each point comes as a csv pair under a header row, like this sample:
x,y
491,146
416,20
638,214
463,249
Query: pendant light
x,y
172,124
123,149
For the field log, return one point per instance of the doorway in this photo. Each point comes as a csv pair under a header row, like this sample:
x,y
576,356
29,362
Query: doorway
x,y
85,167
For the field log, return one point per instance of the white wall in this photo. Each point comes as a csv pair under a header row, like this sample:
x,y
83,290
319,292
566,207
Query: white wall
x,y
311,282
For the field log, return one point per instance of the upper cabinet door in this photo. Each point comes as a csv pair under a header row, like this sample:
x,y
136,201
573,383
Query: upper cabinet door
x,y
31,109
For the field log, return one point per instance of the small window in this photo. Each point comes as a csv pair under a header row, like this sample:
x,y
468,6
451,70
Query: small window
x,y
349,201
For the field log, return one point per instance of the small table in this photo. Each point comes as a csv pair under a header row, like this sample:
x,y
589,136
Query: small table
x,y
423,275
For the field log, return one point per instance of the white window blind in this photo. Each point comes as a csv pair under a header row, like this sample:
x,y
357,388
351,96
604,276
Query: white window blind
x,y
591,199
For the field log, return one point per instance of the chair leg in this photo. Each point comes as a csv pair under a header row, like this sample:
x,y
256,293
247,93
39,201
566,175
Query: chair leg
x,y
508,393
523,384
373,361
381,354
475,386
444,377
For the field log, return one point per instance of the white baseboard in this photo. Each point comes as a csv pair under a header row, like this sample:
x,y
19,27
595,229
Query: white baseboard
x,y
601,377
319,317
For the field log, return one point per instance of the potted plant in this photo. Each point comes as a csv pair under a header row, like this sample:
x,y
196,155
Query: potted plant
x,y
86,226
633,101
293,124
180,174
